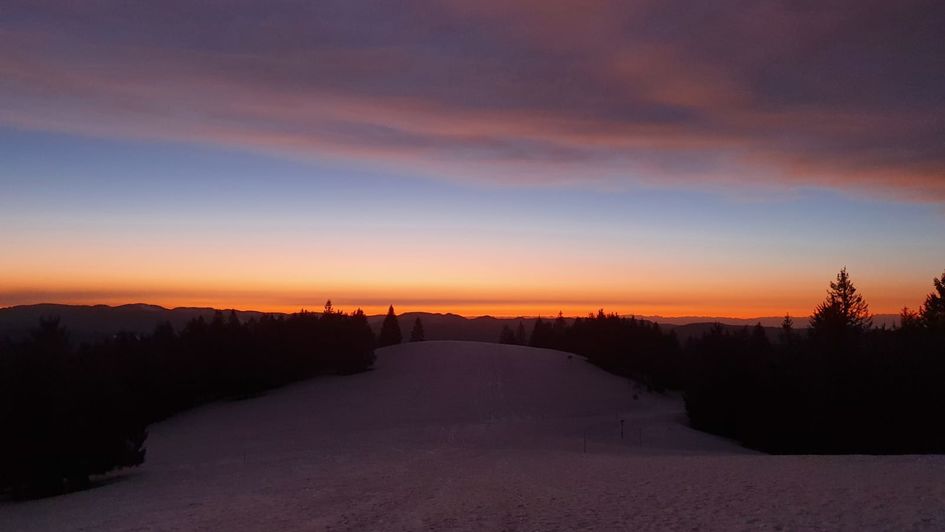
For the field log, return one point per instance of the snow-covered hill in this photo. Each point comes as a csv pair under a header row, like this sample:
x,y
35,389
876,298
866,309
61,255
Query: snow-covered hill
x,y
475,436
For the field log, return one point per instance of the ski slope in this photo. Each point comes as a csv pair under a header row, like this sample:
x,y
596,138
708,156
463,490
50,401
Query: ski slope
x,y
476,436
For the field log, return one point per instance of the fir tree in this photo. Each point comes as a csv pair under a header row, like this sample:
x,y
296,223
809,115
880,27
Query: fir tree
x,y
541,334
507,336
843,311
909,319
932,312
390,330
787,330
416,334
520,337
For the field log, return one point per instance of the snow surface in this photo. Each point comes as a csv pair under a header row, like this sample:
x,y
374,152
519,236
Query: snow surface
x,y
475,436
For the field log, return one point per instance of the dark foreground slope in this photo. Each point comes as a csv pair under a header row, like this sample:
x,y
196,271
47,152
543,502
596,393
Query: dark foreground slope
x,y
472,436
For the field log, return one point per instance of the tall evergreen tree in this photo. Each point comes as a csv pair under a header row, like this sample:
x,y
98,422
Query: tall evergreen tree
x,y
416,334
909,319
759,338
560,325
932,312
541,334
521,338
787,330
506,336
843,311
390,330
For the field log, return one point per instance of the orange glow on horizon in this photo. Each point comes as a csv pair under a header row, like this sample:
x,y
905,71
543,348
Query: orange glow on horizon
x,y
472,280
463,307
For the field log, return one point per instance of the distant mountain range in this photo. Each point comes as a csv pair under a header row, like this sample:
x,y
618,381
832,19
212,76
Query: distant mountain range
x,y
879,320
92,322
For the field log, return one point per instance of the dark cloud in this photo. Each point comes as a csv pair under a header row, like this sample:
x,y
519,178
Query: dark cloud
x,y
847,94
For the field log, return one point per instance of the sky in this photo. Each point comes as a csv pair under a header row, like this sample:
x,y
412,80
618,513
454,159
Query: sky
x,y
478,157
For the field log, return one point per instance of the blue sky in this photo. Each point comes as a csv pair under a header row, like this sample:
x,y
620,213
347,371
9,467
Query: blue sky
x,y
475,156
101,195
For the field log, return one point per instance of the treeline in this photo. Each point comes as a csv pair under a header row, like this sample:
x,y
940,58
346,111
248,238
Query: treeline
x,y
843,386
840,385
68,413
626,346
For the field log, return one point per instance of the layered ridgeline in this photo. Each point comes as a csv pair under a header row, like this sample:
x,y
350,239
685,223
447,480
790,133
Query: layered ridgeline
x,y
97,322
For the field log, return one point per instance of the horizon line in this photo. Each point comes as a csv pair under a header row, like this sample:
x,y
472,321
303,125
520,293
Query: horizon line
x,y
650,317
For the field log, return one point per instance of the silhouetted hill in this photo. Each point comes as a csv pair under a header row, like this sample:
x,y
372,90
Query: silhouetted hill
x,y
94,322
800,322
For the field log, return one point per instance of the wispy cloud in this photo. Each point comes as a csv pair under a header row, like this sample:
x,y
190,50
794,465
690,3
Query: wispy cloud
x,y
843,94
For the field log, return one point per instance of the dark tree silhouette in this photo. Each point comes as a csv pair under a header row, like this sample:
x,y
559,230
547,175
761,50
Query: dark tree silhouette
x,y
845,388
67,413
416,334
909,319
625,346
390,330
507,336
844,311
560,325
65,416
787,335
521,338
932,312
541,334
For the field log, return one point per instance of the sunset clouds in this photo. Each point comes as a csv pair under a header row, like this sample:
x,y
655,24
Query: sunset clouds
x,y
472,156
847,95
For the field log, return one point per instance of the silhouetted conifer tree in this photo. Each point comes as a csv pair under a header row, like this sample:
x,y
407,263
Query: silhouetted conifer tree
x,y
541,334
506,336
843,312
520,336
932,312
560,324
846,387
909,319
759,338
66,415
357,343
787,330
416,334
390,330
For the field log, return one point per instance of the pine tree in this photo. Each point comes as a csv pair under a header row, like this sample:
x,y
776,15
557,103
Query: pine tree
x,y
932,312
417,335
787,330
909,319
539,336
560,324
520,337
507,336
390,330
843,311
759,338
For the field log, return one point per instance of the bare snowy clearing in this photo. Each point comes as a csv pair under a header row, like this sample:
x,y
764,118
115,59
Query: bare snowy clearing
x,y
474,436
